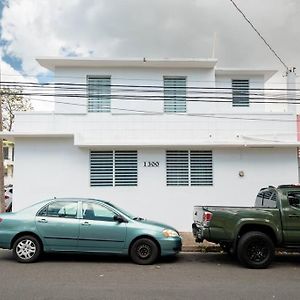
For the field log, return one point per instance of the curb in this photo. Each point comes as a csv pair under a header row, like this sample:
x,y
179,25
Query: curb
x,y
211,248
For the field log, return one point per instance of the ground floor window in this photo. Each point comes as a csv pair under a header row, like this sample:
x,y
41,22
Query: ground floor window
x,y
113,168
189,168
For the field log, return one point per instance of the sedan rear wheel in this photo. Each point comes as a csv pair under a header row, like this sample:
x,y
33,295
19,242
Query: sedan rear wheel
x,y
26,249
144,251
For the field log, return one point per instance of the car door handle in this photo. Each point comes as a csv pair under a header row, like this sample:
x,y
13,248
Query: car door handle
x,y
294,216
86,224
42,221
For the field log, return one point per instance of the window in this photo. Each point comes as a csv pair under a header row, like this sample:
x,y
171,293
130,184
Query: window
x,y
175,94
113,168
99,94
64,209
189,168
294,199
240,93
266,198
94,211
5,152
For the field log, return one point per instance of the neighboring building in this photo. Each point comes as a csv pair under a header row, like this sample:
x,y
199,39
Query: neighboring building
x,y
8,156
154,152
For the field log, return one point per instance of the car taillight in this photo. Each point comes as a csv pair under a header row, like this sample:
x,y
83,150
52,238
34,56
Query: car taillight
x,y
1,220
207,216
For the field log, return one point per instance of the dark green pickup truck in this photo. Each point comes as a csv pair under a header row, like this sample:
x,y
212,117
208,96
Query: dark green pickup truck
x,y
253,233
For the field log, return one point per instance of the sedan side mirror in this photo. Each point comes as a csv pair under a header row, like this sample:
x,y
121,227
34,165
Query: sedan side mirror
x,y
120,219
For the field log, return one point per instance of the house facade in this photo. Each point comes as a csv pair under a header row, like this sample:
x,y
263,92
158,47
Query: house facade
x,y
155,137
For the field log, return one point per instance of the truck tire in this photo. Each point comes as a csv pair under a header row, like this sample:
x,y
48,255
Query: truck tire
x,y
255,250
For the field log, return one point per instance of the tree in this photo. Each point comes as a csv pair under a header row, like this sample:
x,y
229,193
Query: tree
x,y
12,101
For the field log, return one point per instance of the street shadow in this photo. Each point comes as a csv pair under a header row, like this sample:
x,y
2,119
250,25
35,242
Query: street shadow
x,y
7,255
92,258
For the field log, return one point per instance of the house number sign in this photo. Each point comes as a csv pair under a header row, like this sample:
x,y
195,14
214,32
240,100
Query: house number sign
x,y
151,164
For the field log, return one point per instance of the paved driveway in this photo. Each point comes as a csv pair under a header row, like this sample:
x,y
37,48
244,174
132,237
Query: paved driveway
x,y
190,276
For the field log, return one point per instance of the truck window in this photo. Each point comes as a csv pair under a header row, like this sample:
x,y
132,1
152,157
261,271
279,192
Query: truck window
x,y
294,199
258,201
266,199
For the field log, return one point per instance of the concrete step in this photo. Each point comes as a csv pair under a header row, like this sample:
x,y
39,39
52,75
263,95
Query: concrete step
x,y
189,244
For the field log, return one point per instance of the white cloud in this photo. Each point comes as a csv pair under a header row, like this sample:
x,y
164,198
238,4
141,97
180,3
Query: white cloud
x,y
156,28
9,74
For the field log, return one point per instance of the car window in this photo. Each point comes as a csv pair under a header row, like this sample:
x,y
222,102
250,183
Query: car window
x,y
94,211
62,209
266,198
294,199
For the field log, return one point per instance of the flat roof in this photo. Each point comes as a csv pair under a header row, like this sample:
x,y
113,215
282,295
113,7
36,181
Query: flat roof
x,y
51,62
267,73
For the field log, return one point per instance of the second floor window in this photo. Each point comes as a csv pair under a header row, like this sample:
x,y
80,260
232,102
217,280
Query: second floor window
x,y
99,94
174,94
240,93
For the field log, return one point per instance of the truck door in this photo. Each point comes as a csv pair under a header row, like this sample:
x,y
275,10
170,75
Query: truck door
x,y
292,219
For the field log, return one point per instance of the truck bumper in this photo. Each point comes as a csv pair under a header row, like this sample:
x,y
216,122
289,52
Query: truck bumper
x,y
200,232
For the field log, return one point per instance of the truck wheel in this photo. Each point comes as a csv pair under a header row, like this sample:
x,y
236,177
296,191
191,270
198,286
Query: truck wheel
x,y
255,250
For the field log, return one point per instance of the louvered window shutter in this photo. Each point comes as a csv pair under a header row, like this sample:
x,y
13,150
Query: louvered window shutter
x,y
177,168
201,168
99,94
101,168
113,168
240,93
125,168
189,168
175,94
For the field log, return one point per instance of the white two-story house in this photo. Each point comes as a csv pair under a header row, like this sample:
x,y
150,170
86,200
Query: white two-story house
x,y
155,137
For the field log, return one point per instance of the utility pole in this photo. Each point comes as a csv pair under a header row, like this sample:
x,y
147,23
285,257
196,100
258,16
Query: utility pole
x,y
2,199
291,89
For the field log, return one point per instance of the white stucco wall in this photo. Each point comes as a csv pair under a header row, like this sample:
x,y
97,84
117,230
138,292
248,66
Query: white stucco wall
x,y
45,168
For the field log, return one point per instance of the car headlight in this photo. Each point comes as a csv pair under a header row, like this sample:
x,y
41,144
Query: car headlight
x,y
169,233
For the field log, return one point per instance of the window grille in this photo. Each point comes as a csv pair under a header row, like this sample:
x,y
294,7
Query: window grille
x,y
99,94
240,93
113,168
189,168
175,94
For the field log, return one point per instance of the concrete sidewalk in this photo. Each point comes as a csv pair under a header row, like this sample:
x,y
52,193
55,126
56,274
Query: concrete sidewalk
x,y
189,244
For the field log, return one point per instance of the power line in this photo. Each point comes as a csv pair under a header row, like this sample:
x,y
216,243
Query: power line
x,y
259,34
146,112
17,84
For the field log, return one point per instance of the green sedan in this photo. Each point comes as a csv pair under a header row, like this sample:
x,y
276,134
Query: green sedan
x,y
86,226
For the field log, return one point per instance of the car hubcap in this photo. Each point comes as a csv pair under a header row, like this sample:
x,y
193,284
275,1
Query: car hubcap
x,y
26,249
257,252
144,251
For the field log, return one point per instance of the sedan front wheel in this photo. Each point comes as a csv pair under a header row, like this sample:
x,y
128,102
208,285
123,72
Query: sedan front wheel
x,y
144,251
26,249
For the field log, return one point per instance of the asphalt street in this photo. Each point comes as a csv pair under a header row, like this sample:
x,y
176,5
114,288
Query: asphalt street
x,y
189,276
